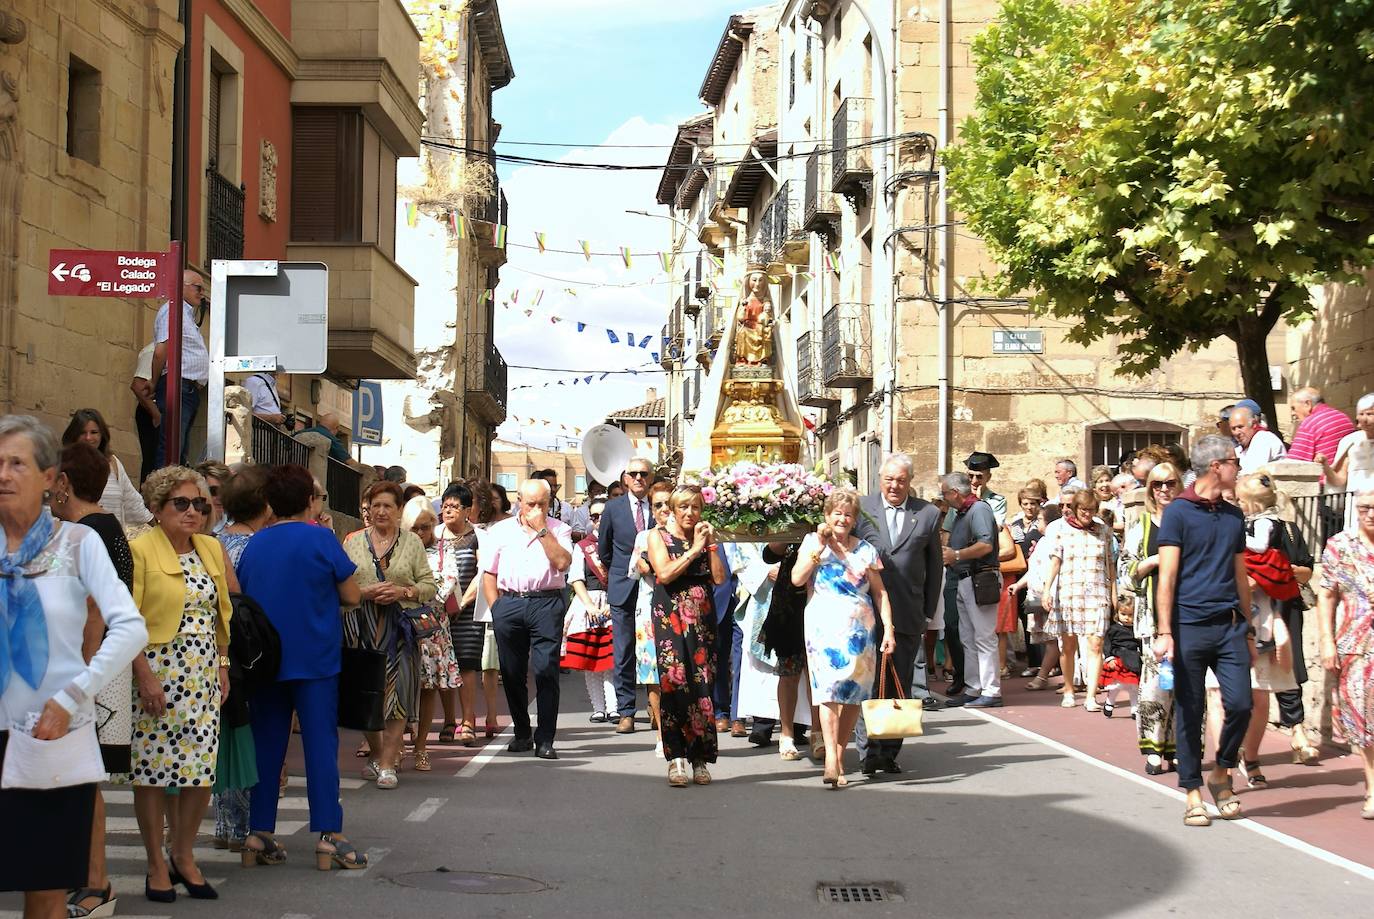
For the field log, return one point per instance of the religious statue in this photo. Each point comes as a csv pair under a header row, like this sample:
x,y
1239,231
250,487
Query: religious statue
x,y
754,323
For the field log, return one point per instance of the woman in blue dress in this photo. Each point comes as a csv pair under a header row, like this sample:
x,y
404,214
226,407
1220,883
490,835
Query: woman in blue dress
x,y
842,574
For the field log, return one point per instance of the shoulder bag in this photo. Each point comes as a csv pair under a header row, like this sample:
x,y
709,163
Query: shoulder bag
x,y
1012,560
418,623
72,759
891,719
362,689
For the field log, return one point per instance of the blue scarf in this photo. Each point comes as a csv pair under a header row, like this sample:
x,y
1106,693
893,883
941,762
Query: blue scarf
x,y
23,628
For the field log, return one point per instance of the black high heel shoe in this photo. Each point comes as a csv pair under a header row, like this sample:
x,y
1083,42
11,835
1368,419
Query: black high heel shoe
x,y
194,891
160,896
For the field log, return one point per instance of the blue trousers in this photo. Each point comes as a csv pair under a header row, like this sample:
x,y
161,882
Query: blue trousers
x,y
529,631
623,646
316,704
190,404
729,647
1218,643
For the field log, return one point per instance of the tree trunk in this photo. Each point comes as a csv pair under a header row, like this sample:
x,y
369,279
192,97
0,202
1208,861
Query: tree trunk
x,y
1251,335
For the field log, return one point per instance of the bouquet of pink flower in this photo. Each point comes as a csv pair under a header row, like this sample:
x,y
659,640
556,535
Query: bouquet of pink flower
x,y
762,500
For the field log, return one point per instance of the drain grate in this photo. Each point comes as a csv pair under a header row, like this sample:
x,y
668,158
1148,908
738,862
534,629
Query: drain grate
x,y
857,893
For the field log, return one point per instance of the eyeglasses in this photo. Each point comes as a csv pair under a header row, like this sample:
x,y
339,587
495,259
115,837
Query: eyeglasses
x,y
183,504
1364,508
322,495
1225,462
658,504
1164,483
638,473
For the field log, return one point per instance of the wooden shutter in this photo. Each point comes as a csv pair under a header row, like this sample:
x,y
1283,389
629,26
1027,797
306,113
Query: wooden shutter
x,y
212,143
326,174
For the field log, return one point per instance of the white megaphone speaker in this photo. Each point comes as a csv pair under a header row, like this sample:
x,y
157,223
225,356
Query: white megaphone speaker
x,y
606,451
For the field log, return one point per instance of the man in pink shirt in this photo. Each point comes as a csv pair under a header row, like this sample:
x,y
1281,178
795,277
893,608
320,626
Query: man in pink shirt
x,y
1320,427
526,571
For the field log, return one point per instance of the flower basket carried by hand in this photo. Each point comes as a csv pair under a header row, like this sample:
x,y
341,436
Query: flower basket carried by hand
x,y
776,502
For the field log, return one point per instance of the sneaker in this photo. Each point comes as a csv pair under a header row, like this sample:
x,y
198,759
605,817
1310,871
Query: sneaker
x,y
677,773
700,774
658,749
1068,701
984,702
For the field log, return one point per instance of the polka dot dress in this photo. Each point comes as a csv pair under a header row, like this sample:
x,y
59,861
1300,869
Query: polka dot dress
x,y
180,747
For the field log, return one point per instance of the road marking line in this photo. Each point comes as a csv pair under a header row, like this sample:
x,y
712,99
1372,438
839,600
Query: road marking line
x,y
298,781
428,809
125,796
297,916
374,858
488,754
124,825
15,914
1331,858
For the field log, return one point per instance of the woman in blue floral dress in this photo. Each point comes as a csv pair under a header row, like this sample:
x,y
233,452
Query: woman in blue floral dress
x,y
842,572
686,565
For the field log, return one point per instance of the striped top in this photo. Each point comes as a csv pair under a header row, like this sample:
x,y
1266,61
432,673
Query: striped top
x,y
1320,433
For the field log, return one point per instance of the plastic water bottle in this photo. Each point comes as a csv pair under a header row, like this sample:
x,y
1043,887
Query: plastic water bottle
x,y
1166,675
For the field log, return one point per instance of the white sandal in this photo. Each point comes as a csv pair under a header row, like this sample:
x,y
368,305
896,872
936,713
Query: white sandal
x,y
1068,701
386,779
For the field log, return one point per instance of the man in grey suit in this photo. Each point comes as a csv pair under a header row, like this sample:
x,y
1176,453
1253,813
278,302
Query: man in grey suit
x,y
906,532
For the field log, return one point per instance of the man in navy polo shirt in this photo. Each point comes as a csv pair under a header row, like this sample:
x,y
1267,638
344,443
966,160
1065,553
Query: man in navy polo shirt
x,y
1204,621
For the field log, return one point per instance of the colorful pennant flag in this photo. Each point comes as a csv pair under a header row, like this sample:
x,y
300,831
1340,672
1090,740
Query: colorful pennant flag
x,y
538,295
645,342
581,327
615,339
459,224
667,259
625,255
498,235
412,213
833,260
539,240
486,295
717,261
586,249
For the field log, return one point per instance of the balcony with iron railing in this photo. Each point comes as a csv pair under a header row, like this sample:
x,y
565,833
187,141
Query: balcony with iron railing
x,y
223,216
851,161
274,447
485,379
780,238
810,389
701,277
688,303
712,229
847,345
820,210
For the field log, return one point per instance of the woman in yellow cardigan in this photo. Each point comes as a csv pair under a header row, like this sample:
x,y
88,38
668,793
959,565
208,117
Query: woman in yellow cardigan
x,y
182,581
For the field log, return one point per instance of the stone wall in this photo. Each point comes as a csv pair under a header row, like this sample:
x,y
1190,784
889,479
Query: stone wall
x,y
1335,350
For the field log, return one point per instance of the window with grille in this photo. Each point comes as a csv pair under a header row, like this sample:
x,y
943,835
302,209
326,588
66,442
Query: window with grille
x,y
326,174
1111,441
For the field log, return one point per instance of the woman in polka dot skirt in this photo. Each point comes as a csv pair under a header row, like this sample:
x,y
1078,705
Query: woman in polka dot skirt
x,y
182,581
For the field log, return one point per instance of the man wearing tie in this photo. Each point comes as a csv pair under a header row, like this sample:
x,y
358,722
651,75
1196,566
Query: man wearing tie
x,y
624,518
906,532
527,559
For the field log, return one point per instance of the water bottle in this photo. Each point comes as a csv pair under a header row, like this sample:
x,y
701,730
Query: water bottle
x,y
1166,675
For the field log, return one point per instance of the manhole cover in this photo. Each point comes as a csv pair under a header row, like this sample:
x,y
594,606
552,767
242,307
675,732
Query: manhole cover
x,y
857,893
472,882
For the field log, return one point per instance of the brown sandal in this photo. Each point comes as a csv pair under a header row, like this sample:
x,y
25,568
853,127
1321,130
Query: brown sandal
x,y
1197,815
467,734
1037,684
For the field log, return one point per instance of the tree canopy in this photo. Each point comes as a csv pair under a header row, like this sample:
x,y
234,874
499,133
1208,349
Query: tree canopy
x,y
1173,171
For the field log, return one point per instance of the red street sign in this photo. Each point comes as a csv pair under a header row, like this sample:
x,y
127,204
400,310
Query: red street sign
x,y
108,273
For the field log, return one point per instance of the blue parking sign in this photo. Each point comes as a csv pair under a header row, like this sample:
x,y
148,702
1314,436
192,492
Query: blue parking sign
x,y
367,413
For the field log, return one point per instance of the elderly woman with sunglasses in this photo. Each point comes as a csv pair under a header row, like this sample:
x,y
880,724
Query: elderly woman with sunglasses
x,y
182,581
1137,568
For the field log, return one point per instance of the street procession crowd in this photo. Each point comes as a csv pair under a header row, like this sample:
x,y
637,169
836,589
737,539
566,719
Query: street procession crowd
x,y
173,636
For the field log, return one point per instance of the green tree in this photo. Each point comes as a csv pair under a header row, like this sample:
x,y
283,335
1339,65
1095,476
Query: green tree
x,y
1173,171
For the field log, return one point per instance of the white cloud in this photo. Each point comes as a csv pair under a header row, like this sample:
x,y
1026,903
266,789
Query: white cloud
x,y
570,205
594,14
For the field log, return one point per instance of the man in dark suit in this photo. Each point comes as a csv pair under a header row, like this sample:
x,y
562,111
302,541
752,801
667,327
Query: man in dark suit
x,y
906,532
623,519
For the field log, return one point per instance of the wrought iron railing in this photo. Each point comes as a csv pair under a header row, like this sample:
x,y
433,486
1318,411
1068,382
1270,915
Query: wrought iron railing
x,y
274,447
851,163
487,373
496,209
847,345
1320,517
223,216
811,390
819,208
344,485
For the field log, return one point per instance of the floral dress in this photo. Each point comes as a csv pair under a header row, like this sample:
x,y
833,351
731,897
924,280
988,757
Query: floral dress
x,y
646,651
1082,594
1348,567
684,621
179,747
841,655
438,664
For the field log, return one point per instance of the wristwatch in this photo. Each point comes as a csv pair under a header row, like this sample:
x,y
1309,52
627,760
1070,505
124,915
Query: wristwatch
x,y
224,660
543,531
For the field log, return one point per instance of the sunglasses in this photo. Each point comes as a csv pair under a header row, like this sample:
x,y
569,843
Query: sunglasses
x,y
658,504
183,504
1164,483
638,474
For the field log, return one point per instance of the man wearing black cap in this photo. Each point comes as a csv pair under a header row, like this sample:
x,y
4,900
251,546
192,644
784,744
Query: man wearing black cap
x,y
980,466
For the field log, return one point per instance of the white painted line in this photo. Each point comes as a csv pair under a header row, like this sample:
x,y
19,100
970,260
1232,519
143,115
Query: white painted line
x,y
297,916
289,803
15,914
298,781
202,855
488,754
374,858
428,809
1298,845
129,825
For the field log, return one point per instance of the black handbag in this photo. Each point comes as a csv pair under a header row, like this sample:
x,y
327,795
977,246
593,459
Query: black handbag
x,y
421,622
987,586
362,689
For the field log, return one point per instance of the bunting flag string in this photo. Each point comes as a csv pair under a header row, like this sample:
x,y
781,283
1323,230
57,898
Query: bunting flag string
x,y
586,249
539,239
544,422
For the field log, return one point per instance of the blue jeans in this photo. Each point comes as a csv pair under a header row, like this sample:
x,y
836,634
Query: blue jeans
x,y
1218,643
190,404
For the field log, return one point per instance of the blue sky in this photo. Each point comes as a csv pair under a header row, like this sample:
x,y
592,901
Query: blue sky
x,y
590,71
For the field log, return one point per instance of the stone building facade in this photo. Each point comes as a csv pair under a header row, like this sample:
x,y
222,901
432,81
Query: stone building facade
x,y
887,343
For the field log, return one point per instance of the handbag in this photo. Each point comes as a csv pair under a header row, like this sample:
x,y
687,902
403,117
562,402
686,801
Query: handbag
x,y
421,622
1007,618
72,759
362,689
892,719
1012,561
987,586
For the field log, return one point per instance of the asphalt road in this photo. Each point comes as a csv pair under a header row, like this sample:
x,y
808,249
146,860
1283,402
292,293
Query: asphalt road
x,y
984,822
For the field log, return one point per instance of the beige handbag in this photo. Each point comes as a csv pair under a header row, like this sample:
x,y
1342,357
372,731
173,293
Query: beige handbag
x,y
891,719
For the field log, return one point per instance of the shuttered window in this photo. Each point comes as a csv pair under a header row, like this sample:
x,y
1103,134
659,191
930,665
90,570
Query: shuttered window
x,y
216,94
326,174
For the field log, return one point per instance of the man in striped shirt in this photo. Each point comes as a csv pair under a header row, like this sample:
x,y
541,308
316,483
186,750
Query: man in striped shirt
x,y
1320,427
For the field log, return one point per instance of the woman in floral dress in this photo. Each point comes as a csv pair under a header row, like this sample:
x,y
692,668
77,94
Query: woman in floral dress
x,y
646,651
1080,593
1348,644
843,573
686,565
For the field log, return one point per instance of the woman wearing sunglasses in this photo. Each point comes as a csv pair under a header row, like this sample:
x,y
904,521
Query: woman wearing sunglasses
x,y
182,581
1138,566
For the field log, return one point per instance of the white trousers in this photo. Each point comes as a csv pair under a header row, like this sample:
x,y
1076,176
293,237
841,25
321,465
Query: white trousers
x,y
978,632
